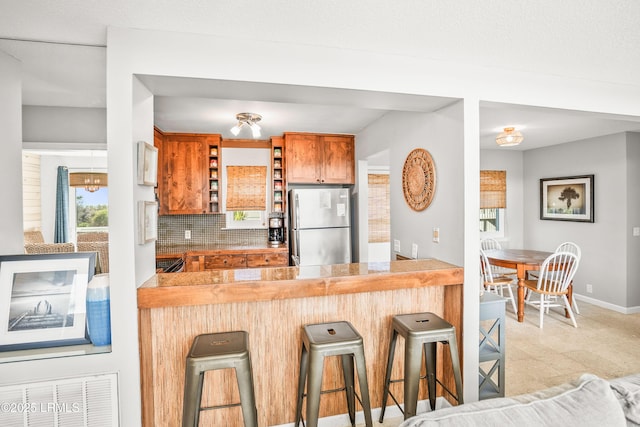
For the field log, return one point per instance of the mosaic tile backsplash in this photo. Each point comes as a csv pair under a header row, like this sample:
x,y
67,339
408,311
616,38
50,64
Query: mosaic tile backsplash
x,y
205,230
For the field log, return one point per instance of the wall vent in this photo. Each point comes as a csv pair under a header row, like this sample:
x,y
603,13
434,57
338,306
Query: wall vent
x,y
90,401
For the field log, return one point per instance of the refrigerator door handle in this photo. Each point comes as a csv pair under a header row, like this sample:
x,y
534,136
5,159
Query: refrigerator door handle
x,y
296,211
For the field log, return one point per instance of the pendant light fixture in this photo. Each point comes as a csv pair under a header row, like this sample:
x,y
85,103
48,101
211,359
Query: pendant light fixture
x,y
91,181
251,120
509,137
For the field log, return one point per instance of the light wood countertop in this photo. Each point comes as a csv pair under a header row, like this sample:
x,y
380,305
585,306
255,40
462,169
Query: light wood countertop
x,y
264,284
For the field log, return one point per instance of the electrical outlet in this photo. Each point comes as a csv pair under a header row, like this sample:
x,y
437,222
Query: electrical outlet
x,y
436,235
589,289
396,245
414,251
187,234
636,231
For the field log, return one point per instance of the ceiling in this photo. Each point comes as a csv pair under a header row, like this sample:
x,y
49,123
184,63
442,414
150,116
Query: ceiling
x,y
67,64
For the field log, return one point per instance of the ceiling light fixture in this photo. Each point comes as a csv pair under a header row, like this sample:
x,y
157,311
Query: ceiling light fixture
x,y
251,120
509,137
90,181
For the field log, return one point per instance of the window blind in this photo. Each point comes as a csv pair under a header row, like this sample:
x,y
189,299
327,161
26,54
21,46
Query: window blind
x,y
493,189
379,212
246,188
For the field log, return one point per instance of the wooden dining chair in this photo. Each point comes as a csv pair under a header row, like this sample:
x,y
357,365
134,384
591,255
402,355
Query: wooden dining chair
x,y
488,244
564,247
496,283
556,274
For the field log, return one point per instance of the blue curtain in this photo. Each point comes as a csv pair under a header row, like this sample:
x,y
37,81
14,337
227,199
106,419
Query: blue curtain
x,y
61,234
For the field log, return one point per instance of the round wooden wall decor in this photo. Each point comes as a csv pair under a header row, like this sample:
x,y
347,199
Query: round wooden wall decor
x,y
419,179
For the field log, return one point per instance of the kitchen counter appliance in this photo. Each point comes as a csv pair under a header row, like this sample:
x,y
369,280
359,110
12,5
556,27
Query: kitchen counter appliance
x,y
276,228
320,226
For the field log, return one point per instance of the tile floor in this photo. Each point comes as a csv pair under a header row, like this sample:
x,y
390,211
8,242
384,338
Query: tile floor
x,y
605,343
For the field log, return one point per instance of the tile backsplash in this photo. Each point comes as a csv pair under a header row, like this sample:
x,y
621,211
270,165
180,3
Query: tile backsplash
x,y
205,230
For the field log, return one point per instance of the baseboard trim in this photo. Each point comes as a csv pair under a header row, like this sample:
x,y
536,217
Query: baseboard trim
x,y
608,306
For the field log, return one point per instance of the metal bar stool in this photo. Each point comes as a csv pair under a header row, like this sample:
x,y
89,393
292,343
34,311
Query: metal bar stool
x,y
218,351
420,330
331,339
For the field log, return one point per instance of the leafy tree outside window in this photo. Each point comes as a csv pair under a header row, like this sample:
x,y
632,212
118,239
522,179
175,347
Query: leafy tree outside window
x,y
92,208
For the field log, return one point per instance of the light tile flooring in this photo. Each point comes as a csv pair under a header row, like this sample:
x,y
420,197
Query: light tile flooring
x,y
605,343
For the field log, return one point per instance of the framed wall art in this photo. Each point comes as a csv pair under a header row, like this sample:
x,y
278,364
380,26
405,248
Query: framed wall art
x,y
147,222
567,198
147,164
43,299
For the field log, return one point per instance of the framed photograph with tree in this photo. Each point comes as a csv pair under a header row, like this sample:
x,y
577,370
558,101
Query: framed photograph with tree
x,y
567,198
43,299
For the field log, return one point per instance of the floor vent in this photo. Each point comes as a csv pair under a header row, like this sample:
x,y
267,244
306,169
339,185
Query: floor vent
x,y
73,402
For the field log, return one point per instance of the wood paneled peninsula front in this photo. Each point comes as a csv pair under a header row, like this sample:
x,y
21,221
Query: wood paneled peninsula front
x,y
272,304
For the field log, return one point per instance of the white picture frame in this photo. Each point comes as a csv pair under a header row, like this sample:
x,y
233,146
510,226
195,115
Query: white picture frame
x,y
147,164
147,222
43,299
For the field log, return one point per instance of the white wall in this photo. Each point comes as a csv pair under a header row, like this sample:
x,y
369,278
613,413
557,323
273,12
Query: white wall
x,y
64,124
512,162
603,243
11,159
440,133
633,220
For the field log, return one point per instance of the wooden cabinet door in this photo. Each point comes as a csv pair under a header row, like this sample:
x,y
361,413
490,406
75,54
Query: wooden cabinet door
x,y
184,171
268,259
304,158
338,164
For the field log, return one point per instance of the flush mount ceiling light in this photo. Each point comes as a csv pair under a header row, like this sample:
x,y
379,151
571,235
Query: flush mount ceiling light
x,y
509,137
251,120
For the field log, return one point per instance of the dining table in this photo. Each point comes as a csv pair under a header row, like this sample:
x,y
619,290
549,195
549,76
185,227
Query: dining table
x,y
521,260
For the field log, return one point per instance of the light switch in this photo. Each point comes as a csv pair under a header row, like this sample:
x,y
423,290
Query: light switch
x,y
396,245
414,251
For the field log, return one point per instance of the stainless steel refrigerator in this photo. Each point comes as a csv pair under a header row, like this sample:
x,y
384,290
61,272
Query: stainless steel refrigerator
x,y
320,226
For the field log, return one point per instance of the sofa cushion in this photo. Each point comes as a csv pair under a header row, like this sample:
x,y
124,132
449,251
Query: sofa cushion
x,y
627,390
588,401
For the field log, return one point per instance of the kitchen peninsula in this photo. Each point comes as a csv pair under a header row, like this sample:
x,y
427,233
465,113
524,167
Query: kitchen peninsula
x,y
272,304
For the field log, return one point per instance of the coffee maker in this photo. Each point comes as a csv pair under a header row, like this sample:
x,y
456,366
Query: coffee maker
x,y
276,228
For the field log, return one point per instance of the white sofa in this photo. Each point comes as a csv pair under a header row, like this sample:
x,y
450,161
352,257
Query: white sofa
x,y
587,401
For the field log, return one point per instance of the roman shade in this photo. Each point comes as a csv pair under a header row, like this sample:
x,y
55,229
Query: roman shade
x,y
246,188
493,189
379,211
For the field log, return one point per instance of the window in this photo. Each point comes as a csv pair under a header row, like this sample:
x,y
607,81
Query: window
x,y
492,222
493,195
92,208
246,219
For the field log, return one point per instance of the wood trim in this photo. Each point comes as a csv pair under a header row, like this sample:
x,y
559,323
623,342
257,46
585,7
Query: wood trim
x,y
146,359
270,288
246,143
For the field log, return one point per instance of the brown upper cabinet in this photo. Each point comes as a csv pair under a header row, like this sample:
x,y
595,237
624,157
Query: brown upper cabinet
x,y
187,166
319,158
